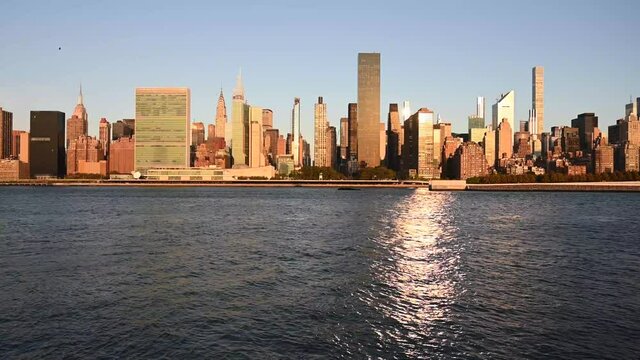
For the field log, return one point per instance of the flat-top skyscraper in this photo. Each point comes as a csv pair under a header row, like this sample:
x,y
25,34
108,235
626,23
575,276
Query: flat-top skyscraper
x,y
320,134
221,117
239,125
46,146
162,128
369,108
78,123
537,101
6,133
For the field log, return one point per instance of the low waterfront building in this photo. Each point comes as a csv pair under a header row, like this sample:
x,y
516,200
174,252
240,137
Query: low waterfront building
x,y
13,170
209,173
285,164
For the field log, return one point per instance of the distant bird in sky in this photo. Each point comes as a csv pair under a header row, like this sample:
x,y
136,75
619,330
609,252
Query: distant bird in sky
x,y
60,48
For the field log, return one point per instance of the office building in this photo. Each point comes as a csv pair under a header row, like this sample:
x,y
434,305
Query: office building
x,y
332,148
47,144
320,134
394,128
239,126
586,124
271,138
256,138
6,133
221,118
344,139
162,128
211,132
475,126
197,133
369,109
627,157
570,140
489,146
352,116
480,108
85,149
296,146
418,157
537,101
78,123
16,142
504,108
602,158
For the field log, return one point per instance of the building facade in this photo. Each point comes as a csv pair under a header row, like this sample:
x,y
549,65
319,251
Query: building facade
x,y
6,133
162,128
537,101
320,134
504,108
369,109
221,117
296,146
78,123
47,144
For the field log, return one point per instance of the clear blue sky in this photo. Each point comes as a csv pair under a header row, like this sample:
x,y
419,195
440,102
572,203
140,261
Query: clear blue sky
x,y
438,54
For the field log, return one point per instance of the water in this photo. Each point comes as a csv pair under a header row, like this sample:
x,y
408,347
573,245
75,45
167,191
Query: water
x,y
317,273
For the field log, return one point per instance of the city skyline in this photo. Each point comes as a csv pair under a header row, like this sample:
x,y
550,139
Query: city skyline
x,y
32,84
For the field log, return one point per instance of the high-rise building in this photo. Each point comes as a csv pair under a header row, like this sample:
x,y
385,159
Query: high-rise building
x,y
383,142
480,108
627,157
16,136
162,128
537,101
406,111
282,145
469,161
256,137
104,135
418,157
489,146
352,116
46,146
267,119
296,147
586,123
197,133
332,149
123,128
78,123
570,139
602,158
211,131
320,134
344,138
504,140
393,138
239,125
476,128
83,148
369,109
6,133
271,138
121,156
504,108
221,118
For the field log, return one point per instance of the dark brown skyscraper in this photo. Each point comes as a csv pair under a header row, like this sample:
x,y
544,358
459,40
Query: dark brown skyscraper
x,y
369,108
6,133
353,131
46,148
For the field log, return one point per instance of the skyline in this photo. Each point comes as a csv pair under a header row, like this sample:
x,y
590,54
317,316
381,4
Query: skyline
x,y
113,55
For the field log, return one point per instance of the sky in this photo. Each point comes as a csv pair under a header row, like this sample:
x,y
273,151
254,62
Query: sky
x,y
436,54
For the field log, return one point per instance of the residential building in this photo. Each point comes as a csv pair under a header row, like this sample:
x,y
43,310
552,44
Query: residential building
x,y
369,109
320,134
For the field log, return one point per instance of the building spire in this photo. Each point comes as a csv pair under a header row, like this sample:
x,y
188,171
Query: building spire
x,y
80,98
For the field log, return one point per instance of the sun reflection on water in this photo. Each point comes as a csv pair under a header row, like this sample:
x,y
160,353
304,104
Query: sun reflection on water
x,y
418,271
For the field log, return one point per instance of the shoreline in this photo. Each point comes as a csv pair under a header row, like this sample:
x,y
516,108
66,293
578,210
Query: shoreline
x,y
437,185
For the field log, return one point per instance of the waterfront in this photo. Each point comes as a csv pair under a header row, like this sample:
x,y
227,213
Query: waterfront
x,y
298,272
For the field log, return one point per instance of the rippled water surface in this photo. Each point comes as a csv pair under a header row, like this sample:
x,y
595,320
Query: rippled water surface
x,y
316,273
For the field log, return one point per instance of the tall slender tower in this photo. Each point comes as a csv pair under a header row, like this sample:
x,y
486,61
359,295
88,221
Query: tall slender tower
x,y
78,123
221,116
504,108
105,135
320,134
239,141
480,107
537,92
295,133
369,108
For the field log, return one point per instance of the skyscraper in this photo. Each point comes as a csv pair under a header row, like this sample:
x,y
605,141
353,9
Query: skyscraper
x,y
295,133
197,133
104,135
6,133
418,157
46,146
586,123
504,108
344,138
504,140
221,117
211,132
369,108
123,128
256,137
332,150
78,123
353,131
320,134
393,138
537,101
489,146
239,125
480,107
162,128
